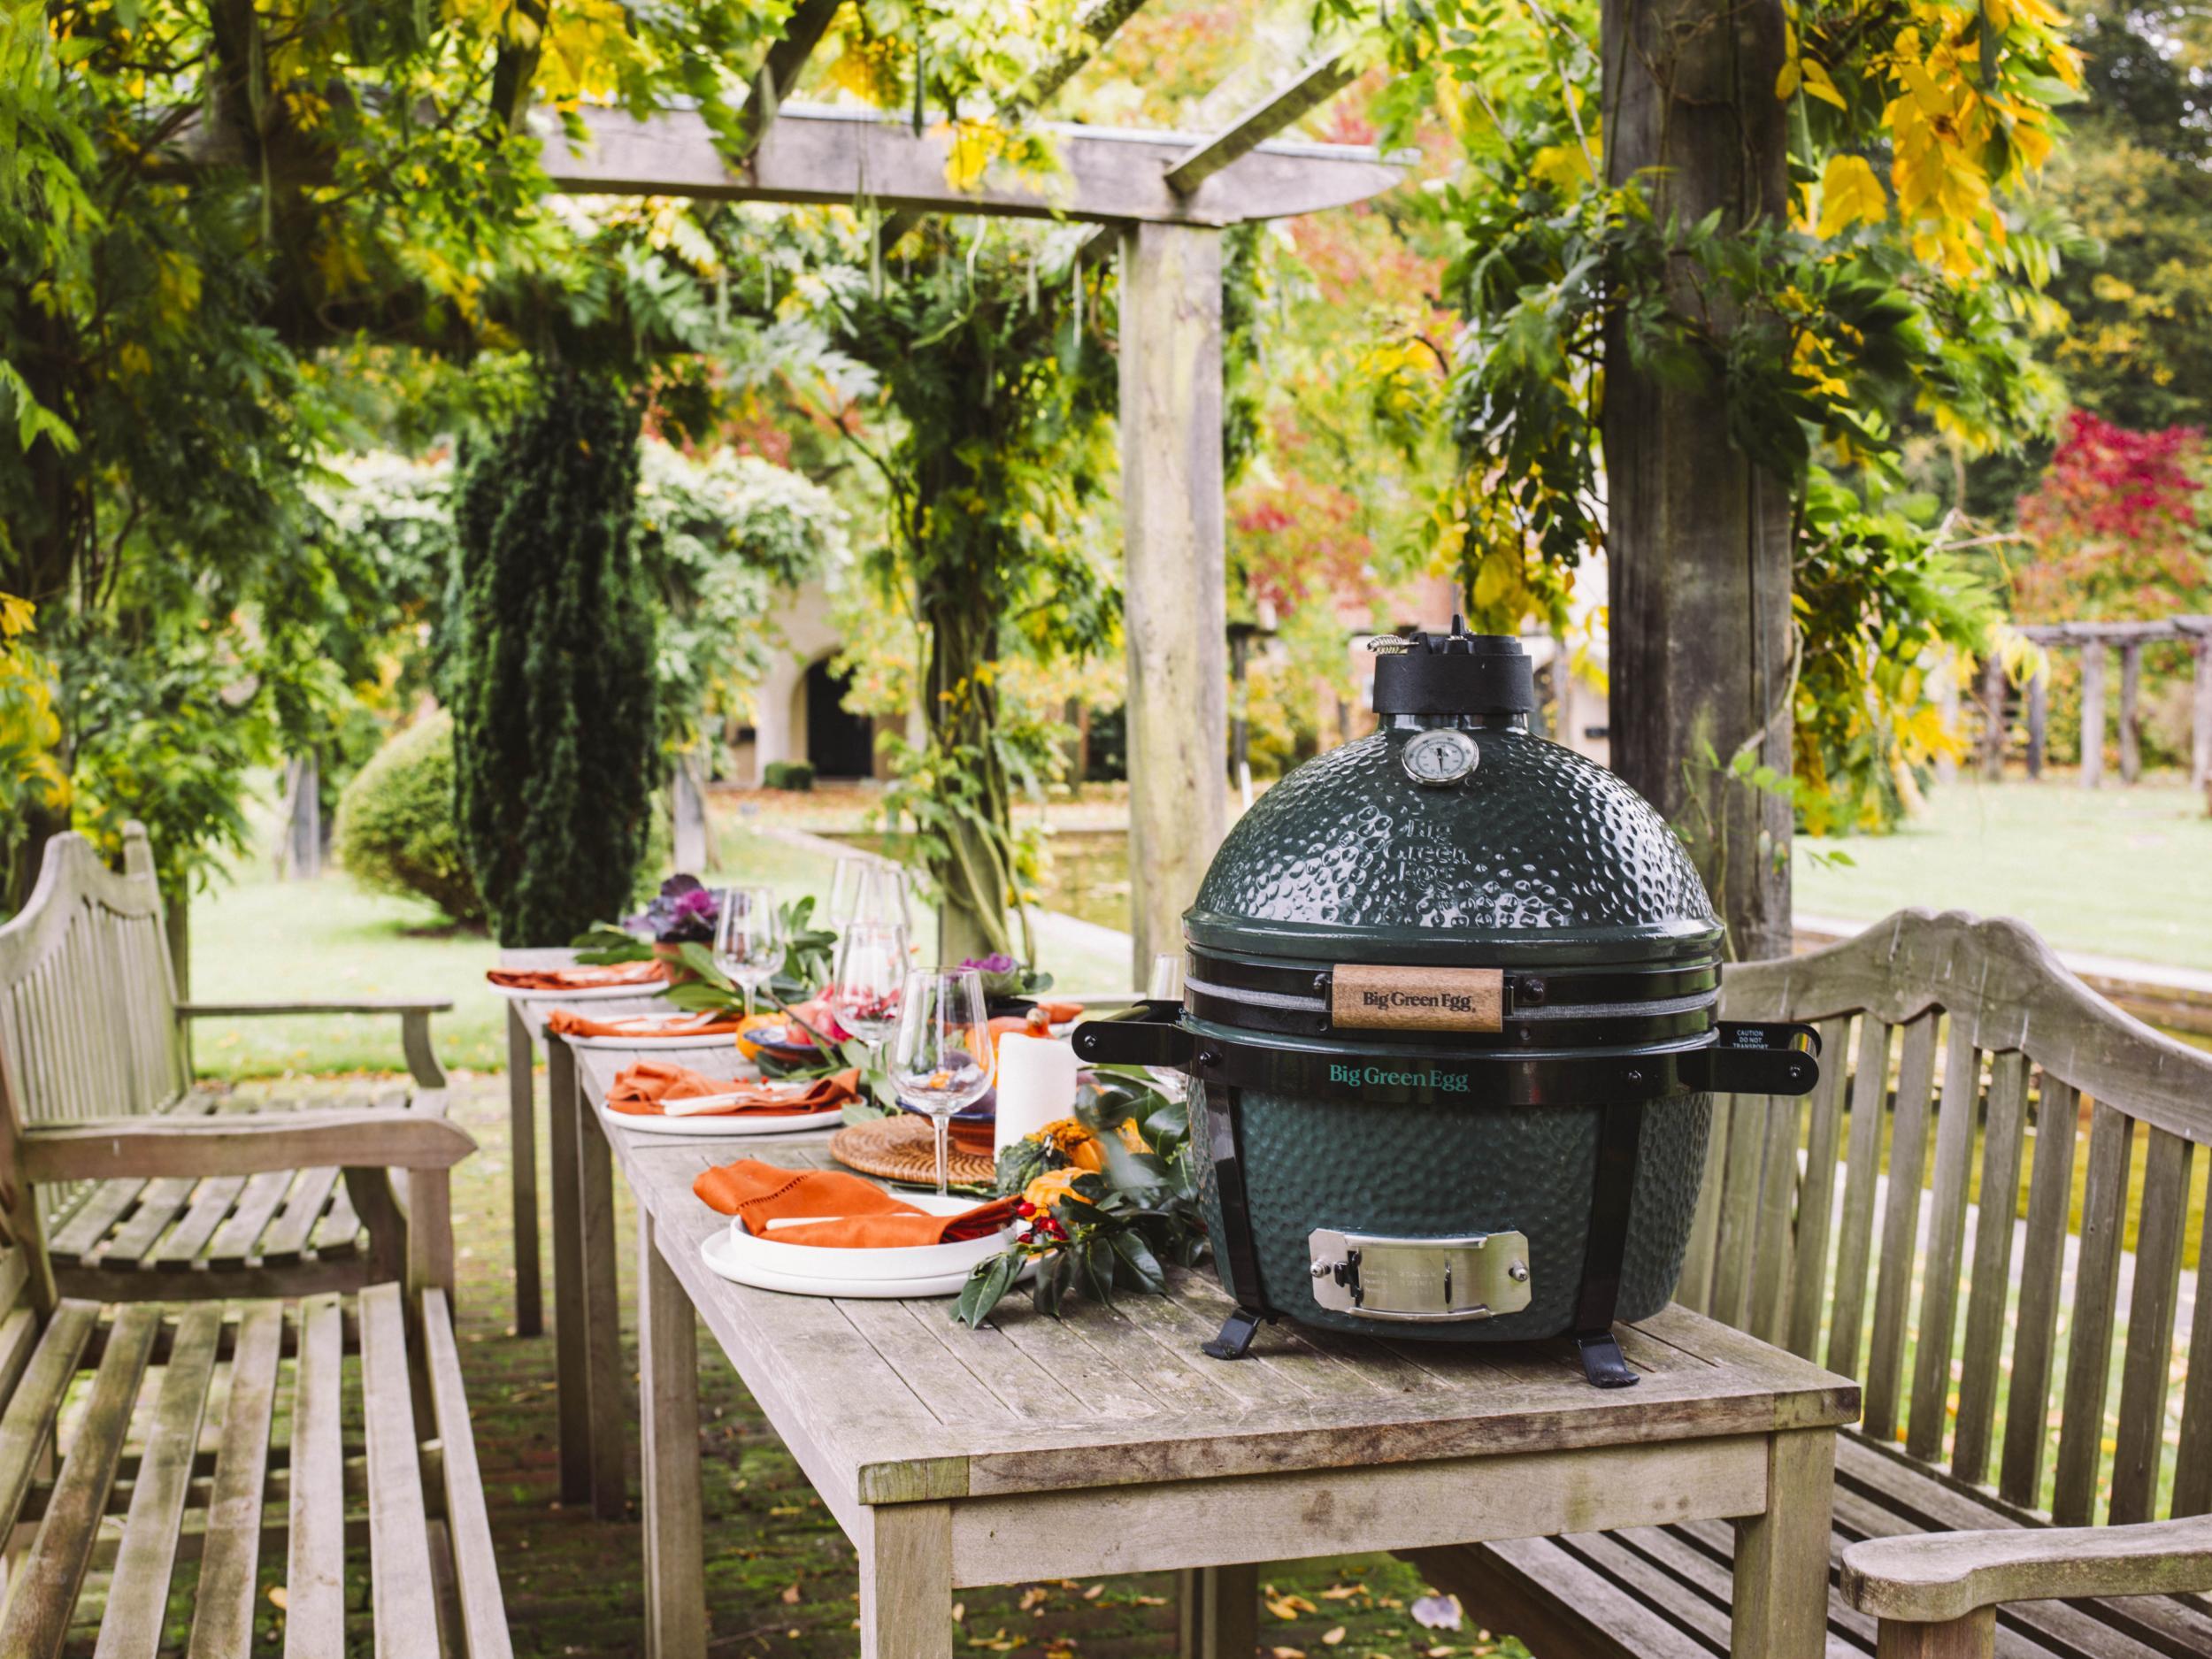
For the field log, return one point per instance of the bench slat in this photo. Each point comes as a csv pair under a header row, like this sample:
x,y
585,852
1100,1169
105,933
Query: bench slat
x,y
468,1526
45,1594
1744,1118
1695,1289
235,1240
1816,1205
1930,1413
138,1595
230,1559
1869,1087
289,1234
2096,1286
339,1230
2146,1373
158,1207
2042,1261
1900,1224
210,1206
2192,1461
1556,1602
315,1574
27,1428
82,1229
399,1538
1979,1382
1783,1125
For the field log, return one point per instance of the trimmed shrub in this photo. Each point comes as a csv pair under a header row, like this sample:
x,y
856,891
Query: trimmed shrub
x,y
797,775
556,760
396,832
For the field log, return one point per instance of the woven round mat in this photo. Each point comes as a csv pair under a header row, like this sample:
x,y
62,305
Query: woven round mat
x,y
903,1149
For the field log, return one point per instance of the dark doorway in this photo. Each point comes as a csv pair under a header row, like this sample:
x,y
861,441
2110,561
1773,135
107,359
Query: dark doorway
x,y
839,743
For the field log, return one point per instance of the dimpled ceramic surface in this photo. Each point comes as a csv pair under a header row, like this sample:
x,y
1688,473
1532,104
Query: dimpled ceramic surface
x,y
1434,1172
1537,854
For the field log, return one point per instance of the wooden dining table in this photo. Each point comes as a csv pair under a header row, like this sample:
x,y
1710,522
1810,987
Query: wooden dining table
x,y
1106,1442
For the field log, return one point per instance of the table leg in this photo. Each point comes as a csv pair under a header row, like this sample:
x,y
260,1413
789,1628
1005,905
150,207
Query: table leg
x,y
1781,1598
522,1153
602,1313
571,1323
1973,1637
1220,1611
906,1581
668,1417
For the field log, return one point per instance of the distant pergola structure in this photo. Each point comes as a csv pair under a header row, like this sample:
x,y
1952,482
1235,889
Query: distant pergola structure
x,y
2095,641
1161,200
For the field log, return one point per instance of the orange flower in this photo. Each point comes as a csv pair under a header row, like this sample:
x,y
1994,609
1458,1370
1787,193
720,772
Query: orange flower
x,y
1050,1188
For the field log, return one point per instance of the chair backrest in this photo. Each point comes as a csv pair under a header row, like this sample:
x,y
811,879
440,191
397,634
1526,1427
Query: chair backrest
x,y
1960,1060
88,1004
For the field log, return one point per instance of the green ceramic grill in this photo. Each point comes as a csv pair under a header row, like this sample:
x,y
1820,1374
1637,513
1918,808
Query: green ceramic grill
x,y
1449,1018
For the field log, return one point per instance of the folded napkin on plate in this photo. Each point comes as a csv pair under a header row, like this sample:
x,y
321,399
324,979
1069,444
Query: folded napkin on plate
x,y
579,979
652,1089
836,1210
567,1022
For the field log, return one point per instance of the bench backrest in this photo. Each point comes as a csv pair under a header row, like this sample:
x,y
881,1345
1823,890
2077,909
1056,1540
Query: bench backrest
x,y
1960,1059
88,1005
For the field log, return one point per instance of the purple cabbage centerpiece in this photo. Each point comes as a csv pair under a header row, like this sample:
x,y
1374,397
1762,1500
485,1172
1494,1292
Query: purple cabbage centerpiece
x,y
1002,976
682,913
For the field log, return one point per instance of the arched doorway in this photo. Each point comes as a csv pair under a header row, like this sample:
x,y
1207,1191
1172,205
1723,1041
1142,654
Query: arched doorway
x,y
839,743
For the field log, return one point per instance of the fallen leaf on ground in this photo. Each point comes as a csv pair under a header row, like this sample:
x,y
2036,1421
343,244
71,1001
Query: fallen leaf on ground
x,y
1290,1606
1439,1612
1329,1638
791,1595
1093,1593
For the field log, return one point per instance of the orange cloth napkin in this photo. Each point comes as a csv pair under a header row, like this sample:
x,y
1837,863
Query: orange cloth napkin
x,y
579,979
640,1088
848,1213
568,1023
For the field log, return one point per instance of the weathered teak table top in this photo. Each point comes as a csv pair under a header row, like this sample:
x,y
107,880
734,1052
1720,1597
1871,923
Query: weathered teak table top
x,y
1107,1442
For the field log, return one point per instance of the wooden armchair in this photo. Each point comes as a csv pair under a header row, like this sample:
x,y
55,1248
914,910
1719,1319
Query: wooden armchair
x,y
1875,1227
97,1042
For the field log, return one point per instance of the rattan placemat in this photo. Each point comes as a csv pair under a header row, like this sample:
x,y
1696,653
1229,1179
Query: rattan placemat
x,y
902,1149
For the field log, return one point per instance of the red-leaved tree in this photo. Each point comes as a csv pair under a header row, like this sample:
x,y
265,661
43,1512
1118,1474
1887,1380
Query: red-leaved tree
x,y
2115,527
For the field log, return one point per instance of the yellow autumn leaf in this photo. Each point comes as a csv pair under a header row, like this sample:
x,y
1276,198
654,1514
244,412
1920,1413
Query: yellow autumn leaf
x,y
1565,167
1819,84
1850,195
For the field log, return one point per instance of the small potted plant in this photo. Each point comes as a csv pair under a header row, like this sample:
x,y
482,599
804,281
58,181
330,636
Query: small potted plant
x,y
682,913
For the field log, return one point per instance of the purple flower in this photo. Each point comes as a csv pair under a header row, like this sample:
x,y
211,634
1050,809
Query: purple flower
x,y
683,912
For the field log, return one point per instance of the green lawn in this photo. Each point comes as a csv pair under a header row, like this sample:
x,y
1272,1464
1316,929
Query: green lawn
x,y
264,940
2120,872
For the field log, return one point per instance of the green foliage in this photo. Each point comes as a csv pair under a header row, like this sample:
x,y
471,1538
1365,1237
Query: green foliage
x,y
396,831
556,761
29,776
788,774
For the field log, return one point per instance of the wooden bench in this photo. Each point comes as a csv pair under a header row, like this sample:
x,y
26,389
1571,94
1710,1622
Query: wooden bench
x,y
92,1027
183,1439
1841,1228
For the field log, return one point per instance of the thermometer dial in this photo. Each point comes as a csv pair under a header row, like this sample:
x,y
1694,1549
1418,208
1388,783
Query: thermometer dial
x,y
1438,757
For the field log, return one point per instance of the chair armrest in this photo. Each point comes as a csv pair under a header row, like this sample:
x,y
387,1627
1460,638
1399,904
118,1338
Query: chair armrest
x,y
335,1005
414,1023
1931,1577
243,1143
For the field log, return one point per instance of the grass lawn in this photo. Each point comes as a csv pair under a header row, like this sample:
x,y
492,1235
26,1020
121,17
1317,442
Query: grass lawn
x,y
2119,872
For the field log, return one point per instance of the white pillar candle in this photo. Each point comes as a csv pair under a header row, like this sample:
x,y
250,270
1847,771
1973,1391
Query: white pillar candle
x,y
1036,1085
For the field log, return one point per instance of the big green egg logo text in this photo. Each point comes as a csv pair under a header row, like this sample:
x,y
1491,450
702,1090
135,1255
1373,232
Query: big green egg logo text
x,y
1381,1077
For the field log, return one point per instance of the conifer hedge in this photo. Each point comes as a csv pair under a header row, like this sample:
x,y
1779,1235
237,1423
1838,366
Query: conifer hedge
x,y
554,757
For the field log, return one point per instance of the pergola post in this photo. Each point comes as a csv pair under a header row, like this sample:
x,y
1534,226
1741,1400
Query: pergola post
x,y
2131,719
2092,713
2039,718
1175,611
1993,723
2200,718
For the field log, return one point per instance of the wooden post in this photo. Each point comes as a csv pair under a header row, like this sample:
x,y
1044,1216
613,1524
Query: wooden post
x,y
1993,725
1175,591
2130,717
1218,1610
522,1158
1945,672
694,848
2092,713
668,1456
2201,718
1698,536
2039,718
302,856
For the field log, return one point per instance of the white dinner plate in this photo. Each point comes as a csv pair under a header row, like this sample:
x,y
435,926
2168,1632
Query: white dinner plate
x,y
646,992
721,1040
910,1261
722,1126
746,1265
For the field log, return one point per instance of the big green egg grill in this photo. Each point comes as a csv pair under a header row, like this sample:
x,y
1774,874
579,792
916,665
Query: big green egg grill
x,y
1450,1020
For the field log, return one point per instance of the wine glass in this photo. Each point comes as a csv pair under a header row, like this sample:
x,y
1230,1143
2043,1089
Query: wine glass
x,y
845,879
941,1058
748,938
865,983
878,897
1166,985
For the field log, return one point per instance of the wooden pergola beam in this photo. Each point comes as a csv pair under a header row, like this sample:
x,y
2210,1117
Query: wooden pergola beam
x,y
814,154
1311,88
2076,632
779,72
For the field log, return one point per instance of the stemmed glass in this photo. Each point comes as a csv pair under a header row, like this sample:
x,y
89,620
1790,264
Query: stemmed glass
x,y
870,970
748,938
942,1059
1166,985
871,893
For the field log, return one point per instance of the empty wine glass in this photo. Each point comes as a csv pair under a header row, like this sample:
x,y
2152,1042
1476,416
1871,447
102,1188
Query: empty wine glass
x,y
844,883
748,938
941,1058
1166,985
877,895
870,971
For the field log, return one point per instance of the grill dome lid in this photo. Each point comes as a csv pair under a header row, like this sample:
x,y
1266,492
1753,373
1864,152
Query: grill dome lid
x,y
1453,836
